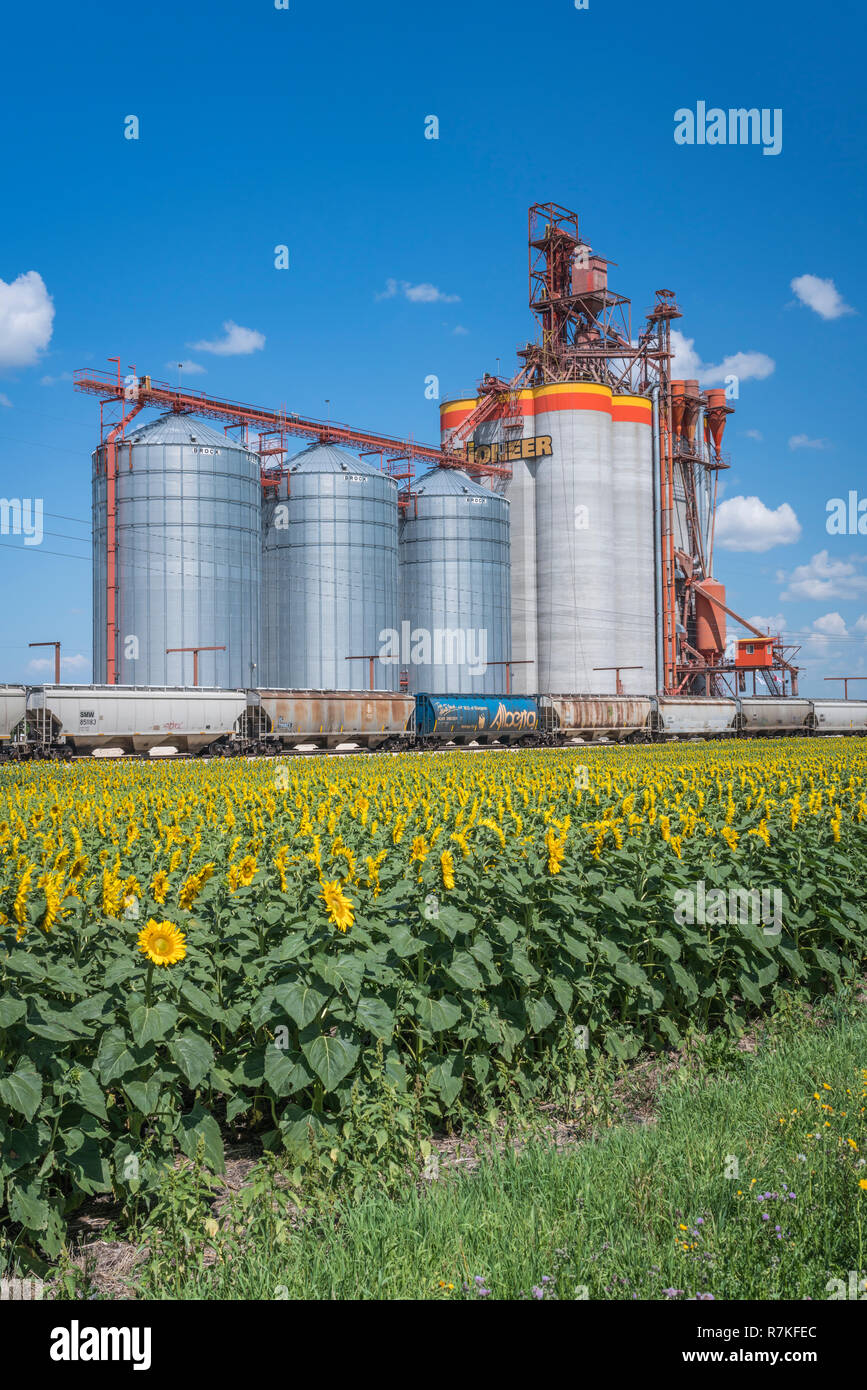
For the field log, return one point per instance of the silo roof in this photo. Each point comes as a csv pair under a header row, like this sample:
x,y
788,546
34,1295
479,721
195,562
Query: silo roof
x,y
181,429
441,482
326,458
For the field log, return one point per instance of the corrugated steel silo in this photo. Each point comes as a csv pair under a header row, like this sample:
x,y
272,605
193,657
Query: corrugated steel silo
x,y
188,526
576,603
454,579
329,573
632,480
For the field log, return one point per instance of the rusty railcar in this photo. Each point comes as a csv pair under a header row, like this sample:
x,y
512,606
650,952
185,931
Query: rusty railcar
x,y
620,718
328,718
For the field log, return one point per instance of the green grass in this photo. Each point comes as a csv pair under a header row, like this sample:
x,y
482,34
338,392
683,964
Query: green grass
x,y
602,1216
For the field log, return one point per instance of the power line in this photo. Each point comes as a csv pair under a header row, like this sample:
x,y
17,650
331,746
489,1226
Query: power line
x,y
37,444
40,550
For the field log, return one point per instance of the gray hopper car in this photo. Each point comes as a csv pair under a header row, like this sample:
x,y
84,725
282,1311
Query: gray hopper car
x,y
114,719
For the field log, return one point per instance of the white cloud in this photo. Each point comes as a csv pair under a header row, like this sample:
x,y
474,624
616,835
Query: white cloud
x,y
417,294
686,361
188,368
238,342
26,319
815,644
822,296
460,330
823,578
745,366
861,624
773,624
67,663
391,288
55,380
830,625
429,294
4,400
745,523
755,434
803,441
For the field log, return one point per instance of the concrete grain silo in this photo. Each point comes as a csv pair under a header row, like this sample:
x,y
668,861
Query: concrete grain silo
x,y
576,601
633,522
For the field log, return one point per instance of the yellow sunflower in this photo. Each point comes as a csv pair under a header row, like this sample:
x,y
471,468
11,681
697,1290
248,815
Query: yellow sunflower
x,y
247,870
160,886
556,850
340,909
162,942
193,886
447,864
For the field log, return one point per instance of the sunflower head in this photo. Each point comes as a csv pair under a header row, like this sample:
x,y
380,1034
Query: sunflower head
x,y
247,870
447,864
339,907
162,942
160,886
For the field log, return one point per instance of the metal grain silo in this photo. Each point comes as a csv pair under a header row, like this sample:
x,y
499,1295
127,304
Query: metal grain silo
x,y
188,560
632,482
329,573
576,604
454,580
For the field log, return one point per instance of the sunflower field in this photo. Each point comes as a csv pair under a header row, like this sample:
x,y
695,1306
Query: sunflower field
x,y
285,947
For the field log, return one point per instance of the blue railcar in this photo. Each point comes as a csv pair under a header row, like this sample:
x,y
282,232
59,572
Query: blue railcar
x,y
483,718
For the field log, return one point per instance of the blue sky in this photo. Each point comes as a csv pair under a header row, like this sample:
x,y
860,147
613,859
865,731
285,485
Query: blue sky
x,y
305,127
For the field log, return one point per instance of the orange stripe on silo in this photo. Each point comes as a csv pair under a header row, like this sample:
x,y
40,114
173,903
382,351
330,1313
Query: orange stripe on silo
x,y
635,409
572,395
523,403
453,412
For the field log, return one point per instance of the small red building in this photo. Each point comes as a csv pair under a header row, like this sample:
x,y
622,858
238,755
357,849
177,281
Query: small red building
x,y
754,653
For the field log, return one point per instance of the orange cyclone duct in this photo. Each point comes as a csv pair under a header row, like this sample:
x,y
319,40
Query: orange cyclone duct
x,y
717,410
690,410
676,407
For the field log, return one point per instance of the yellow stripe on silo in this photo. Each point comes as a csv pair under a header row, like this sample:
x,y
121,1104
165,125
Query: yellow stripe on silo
x,y
573,395
636,409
